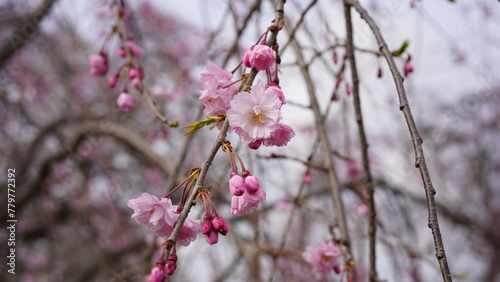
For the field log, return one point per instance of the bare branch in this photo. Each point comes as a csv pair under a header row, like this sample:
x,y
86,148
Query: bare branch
x,y
417,141
372,229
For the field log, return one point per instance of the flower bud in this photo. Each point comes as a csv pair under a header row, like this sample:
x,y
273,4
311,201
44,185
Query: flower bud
x,y
236,185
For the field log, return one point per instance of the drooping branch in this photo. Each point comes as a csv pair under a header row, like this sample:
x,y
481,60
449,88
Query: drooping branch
x,y
417,141
218,142
27,29
368,180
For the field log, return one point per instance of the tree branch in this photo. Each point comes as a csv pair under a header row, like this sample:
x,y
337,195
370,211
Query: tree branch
x,y
372,229
417,141
27,29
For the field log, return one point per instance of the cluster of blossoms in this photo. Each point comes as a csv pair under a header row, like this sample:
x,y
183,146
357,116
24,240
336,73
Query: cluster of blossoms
x,y
130,72
255,114
244,187
323,258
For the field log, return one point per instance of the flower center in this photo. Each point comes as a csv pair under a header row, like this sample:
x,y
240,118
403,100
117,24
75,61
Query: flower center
x,y
256,116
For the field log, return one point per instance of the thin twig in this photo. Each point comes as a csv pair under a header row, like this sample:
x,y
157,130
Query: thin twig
x,y
372,229
327,157
417,141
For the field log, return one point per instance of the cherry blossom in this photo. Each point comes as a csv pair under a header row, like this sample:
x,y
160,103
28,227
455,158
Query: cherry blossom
x,y
125,101
217,90
323,258
246,203
98,64
254,115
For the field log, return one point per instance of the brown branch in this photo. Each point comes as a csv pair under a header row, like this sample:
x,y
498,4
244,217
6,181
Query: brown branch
x,y
372,229
26,30
417,141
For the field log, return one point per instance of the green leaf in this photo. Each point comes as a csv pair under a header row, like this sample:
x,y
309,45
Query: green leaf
x,y
202,123
401,49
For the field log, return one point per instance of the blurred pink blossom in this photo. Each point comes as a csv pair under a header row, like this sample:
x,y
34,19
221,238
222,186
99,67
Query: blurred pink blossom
x,y
323,258
125,101
98,64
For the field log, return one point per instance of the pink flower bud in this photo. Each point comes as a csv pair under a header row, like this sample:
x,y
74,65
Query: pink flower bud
x,y
220,225
170,267
132,73
348,89
122,53
134,49
252,184
158,271
246,59
98,64
112,81
335,57
135,83
408,69
261,57
236,185
212,237
125,101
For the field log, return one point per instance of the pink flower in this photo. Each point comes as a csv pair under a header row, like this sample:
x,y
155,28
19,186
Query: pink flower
x,y
216,93
134,49
98,64
125,101
278,92
323,258
136,83
152,212
246,203
158,271
254,115
279,137
260,57
363,209
133,73
122,53
408,69
188,231
112,81
353,171
236,184
159,216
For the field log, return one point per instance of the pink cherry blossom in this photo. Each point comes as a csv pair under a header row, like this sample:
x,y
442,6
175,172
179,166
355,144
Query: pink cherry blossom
x,y
125,101
217,90
279,137
158,271
246,203
135,50
255,114
260,57
408,68
112,81
159,216
98,64
363,209
353,171
323,258
278,92
152,212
